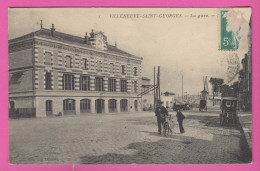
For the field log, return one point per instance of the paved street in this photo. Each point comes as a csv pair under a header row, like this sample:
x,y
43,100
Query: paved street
x,y
123,138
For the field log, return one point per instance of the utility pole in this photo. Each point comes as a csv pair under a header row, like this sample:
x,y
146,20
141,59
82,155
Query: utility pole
x,y
182,85
154,100
159,92
41,24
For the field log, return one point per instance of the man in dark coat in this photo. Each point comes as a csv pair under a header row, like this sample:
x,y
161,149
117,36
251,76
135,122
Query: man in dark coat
x,y
160,113
180,118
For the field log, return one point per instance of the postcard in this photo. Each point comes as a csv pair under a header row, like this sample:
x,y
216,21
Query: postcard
x,y
130,85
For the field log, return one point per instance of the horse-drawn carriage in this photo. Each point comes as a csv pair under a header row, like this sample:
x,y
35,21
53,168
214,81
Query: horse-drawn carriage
x,y
228,108
203,105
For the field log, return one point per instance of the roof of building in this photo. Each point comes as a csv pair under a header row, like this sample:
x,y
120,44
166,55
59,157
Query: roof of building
x,y
67,38
167,93
179,101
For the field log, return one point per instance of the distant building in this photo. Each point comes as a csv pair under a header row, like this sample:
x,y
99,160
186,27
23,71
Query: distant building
x,y
147,94
168,99
193,100
52,72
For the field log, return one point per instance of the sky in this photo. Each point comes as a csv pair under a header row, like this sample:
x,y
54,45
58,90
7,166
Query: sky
x,y
184,42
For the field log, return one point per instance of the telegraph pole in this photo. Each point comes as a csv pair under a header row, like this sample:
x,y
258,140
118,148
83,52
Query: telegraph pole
x,y
154,100
182,85
159,92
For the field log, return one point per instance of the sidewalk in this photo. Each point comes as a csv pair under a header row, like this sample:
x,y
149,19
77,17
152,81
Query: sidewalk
x,y
245,119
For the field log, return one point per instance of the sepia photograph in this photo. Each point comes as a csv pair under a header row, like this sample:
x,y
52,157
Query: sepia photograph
x,y
130,85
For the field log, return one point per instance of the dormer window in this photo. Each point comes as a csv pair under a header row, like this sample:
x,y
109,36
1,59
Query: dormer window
x,y
98,40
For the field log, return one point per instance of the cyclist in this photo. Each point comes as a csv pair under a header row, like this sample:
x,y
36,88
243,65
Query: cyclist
x,y
160,112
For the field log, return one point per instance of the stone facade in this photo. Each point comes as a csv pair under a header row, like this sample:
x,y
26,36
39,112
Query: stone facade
x,y
72,75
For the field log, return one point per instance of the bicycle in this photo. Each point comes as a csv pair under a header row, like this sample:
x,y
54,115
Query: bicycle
x,y
168,125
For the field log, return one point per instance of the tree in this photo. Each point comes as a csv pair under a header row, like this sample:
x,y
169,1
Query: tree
x,y
230,91
216,85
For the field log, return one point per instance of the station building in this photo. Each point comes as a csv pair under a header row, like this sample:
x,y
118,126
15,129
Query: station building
x,y
51,72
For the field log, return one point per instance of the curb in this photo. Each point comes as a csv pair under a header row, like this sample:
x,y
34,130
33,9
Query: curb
x,y
247,149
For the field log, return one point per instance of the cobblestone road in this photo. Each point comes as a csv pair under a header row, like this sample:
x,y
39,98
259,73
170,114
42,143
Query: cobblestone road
x,y
122,139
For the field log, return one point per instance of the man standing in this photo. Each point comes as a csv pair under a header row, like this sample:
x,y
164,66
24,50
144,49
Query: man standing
x,y
180,118
160,113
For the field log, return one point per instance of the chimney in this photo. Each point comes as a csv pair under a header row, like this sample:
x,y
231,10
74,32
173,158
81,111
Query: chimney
x,y
41,24
52,30
86,38
92,34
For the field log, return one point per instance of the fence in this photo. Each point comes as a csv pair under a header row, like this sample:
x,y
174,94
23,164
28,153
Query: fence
x,y
22,113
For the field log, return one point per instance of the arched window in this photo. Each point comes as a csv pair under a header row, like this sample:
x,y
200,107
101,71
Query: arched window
x,y
123,105
85,106
69,106
112,105
100,105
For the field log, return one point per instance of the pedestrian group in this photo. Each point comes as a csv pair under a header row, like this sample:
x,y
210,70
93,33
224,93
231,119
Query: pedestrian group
x,y
161,112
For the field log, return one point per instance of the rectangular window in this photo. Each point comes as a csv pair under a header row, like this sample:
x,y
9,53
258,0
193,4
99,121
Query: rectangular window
x,y
68,61
68,82
135,86
112,85
123,86
123,69
48,58
48,81
84,83
111,68
135,71
99,84
16,78
99,66
85,64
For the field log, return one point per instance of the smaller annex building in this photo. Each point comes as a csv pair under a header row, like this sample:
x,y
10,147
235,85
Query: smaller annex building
x,y
51,72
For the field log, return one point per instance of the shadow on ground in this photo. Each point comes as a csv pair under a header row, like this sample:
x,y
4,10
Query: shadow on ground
x,y
174,149
210,121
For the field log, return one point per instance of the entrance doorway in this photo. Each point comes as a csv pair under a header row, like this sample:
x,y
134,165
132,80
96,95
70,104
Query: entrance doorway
x,y
99,103
136,105
12,109
48,107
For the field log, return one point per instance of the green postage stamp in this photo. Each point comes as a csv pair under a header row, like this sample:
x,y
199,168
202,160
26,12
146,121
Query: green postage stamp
x,y
229,35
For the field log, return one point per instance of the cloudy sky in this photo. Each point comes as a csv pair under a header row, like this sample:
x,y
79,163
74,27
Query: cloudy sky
x,y
181,41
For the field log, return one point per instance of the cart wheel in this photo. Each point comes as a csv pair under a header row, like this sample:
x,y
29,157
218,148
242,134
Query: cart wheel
x,y
166,129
